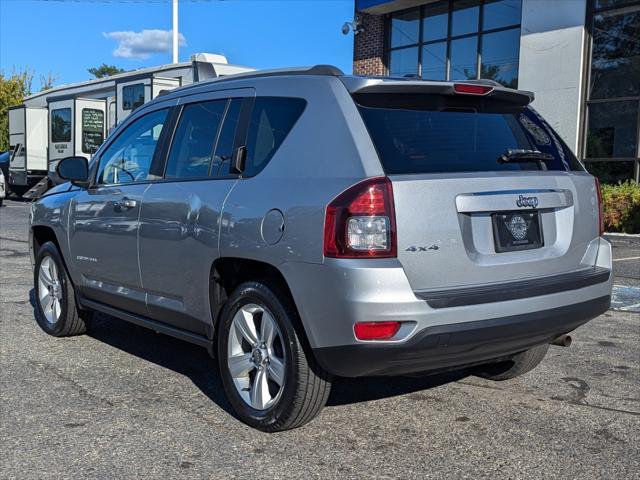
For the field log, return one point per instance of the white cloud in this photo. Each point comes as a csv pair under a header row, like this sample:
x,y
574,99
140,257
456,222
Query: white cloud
x,y
143,44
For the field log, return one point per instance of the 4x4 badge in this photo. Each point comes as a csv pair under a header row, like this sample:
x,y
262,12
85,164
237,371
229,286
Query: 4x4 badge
x,y
523,201
433,246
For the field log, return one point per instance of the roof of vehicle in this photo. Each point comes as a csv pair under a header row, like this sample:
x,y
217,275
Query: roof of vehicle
x,y
360,84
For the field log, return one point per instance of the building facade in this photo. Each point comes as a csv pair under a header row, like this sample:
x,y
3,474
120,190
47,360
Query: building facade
x,y
581,58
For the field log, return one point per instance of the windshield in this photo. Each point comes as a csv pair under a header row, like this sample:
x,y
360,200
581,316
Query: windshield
x,y
454,139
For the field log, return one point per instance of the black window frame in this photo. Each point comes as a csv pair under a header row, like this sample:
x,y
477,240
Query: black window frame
x,y
592,11
133,85
53,112
82,129
479,34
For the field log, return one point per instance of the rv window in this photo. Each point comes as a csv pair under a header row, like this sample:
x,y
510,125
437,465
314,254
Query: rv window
x,y
194,140
128,158
61,125
92,129
132,96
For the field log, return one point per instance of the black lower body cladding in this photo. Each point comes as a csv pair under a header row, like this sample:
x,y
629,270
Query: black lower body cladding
x,y
461,344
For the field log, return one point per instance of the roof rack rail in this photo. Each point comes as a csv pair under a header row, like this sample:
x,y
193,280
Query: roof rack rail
x,y
327,70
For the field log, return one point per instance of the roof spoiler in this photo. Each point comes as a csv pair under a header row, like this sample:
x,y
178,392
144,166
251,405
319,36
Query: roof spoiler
x,y
485,88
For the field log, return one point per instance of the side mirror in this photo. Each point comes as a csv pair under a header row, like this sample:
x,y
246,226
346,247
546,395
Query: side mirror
x,y
75,169
237,159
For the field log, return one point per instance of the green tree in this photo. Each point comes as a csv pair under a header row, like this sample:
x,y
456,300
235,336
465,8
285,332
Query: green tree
x,y
104,70
47,81
13,89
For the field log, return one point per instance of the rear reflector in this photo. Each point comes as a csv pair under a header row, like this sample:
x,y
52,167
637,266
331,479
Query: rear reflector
x,y
470,89
376,330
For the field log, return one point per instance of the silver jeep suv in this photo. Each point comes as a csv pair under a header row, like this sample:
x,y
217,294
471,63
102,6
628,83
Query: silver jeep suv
x,y
304,225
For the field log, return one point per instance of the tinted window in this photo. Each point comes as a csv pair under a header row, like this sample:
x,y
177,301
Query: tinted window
x,y
463,58
195,137
405,28
61,125
500,54
501,13
271,121
615,64
429,141
224,148
613,129
434,61
464,18
128,158
404,62
436,21
132,96
92,129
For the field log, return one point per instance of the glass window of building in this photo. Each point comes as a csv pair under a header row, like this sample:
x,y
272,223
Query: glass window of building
x,y
449,39
612,141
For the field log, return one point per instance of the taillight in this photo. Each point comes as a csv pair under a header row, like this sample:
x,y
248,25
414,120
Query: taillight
x,y
471,89
375,330
600,213
360,222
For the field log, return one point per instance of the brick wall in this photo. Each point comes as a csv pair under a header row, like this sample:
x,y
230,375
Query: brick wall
x,y
368,48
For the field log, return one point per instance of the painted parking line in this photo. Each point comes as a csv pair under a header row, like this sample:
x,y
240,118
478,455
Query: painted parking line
x,y
626,299
625,259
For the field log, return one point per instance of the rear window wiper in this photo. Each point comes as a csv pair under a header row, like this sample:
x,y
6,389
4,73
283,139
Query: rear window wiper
x,y
517,155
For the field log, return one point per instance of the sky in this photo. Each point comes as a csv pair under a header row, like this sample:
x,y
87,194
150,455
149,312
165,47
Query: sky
x,y
66,37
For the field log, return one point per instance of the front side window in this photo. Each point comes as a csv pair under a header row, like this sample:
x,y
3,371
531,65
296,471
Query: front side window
x,y
455,37
92,129
271,121
194,140
128,158
132,96
61,125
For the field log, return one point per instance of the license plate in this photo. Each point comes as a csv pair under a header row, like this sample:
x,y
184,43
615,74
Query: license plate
x,y
517,231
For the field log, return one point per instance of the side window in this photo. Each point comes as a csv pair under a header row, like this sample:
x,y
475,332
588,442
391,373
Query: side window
x,y
271,121
61,125
224,147
132,96
128,158
195,137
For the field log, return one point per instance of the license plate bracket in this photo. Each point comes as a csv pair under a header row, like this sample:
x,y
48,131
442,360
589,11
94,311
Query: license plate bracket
x,y
520,230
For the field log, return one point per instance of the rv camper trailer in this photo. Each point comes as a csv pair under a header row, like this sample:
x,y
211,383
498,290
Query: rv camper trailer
x,y
75,119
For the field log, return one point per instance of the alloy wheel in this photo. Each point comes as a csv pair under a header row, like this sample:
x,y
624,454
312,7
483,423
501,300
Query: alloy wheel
x,y
255,356
49,290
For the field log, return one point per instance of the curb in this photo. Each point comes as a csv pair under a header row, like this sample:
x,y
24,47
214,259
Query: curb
x,y
623,235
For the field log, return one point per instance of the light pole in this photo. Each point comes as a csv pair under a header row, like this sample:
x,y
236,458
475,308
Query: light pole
x,y
175,31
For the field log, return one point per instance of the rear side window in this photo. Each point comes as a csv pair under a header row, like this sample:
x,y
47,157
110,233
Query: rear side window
x,y
194,140
271,121
442,139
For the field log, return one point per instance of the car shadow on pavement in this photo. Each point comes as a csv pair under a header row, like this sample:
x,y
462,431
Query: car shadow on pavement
x,y
195,363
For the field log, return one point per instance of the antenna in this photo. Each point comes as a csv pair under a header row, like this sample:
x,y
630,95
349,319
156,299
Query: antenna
x,y
175,31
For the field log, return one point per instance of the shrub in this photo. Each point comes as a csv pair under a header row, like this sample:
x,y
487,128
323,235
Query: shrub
x,y
621,205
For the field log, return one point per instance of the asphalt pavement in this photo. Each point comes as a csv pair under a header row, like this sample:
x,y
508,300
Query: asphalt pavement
x,y
125,402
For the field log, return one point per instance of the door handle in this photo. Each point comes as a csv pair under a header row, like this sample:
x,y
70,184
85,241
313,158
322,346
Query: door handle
x,y
126,204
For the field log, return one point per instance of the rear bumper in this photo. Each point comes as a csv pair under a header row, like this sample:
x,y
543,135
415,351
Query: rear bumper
x,y
444,347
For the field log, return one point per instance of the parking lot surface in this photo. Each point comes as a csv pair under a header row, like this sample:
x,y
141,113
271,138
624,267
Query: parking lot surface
x,y
125,402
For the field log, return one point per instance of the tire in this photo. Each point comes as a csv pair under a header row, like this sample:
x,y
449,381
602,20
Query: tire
x,y
304,387
519,364
1,200
66,320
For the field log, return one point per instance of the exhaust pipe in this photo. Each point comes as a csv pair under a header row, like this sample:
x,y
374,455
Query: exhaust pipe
x,y
562,341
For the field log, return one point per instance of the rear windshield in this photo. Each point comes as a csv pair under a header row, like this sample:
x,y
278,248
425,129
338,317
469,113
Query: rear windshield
x,y
436,135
